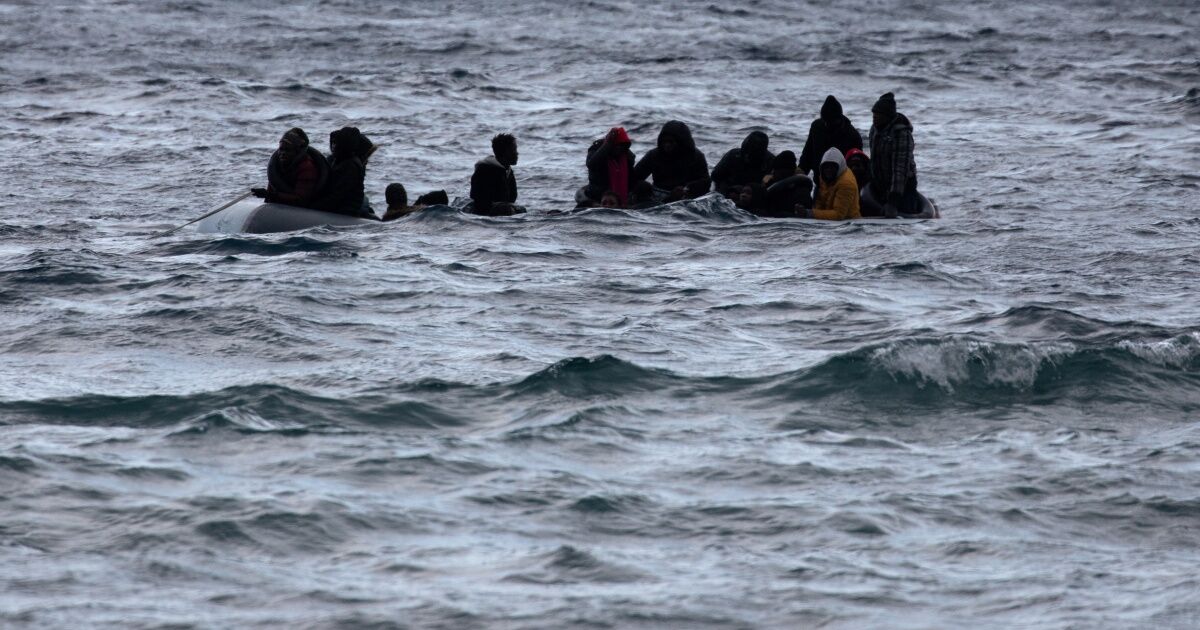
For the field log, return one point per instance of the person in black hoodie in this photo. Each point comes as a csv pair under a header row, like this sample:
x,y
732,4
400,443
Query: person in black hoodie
x,y
831,130
677,167
344,191
610,167
745,165
493,185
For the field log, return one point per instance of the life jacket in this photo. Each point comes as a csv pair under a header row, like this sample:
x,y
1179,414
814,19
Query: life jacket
x,y
279,183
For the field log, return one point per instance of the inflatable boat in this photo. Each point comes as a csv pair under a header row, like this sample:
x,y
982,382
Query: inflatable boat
x,y
254,217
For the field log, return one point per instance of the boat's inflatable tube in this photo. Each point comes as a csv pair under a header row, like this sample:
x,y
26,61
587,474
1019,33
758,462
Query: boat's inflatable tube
x,y
251,217
929,210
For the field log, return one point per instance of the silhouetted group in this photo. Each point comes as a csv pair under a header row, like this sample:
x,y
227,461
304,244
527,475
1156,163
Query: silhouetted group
x,y
833,178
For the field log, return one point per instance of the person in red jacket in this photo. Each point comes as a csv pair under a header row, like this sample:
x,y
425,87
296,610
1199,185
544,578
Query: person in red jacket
x,y
296,173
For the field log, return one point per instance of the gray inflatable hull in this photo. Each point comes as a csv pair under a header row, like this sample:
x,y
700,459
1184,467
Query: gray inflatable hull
x,y
251,217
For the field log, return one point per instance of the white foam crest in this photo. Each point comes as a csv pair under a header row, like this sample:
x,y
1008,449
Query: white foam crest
x,y
948,363
1177,352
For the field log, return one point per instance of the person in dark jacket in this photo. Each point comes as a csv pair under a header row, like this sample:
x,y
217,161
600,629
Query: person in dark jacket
x,y
493,185
296,172
677,168
345,193
831,130
788,191
745,165
610,167
893,167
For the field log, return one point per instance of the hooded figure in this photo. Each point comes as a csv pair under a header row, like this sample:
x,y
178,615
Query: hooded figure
x,y
832,129
747,165
675,165
610,166
344,194
893,168
860,165
296,172
837,198
787,189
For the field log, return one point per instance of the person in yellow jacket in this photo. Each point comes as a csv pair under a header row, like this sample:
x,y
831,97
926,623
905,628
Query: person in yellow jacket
x,y
837,198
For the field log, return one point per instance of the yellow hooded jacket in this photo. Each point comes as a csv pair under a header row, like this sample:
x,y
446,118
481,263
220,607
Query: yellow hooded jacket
x,y
837,201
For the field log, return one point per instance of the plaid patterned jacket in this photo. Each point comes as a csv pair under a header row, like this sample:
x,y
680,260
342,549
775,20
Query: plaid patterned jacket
x,y
892,162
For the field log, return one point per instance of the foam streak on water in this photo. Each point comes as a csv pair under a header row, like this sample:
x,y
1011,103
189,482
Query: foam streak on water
x,y
679,418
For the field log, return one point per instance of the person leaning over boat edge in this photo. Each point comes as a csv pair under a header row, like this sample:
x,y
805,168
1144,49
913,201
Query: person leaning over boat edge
x,y
296,172
493,185
893,168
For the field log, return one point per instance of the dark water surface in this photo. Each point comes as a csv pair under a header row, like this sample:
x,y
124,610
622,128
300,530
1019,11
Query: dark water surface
x,y
684,418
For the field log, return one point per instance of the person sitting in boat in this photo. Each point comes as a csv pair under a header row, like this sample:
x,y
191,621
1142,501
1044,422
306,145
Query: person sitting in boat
x,y
747,164
752,198
837,198
397,201
296,173
345,192
493,185
832,129
610,168
789,192
860,165
676,167
893,167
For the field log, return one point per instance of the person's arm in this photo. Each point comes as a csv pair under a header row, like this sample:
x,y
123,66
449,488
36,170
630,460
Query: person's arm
x,y
698,180
512,187
645,166
808,158
902,157
724,170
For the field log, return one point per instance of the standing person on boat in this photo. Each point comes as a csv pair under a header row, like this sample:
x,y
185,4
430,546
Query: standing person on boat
x,y
893,167
296,172
677,168
745,165
610,167
837,198
493,185
832,129
345,192
860,165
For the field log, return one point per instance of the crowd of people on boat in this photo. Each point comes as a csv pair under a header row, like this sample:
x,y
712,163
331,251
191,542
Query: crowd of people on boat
x,y
833,178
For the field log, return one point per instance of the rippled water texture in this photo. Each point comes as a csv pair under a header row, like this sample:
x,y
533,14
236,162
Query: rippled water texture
x,y
680,418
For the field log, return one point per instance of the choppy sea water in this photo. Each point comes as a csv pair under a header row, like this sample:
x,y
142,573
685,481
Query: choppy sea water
x,y
683,418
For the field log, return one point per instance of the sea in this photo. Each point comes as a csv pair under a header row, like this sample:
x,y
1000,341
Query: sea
x,y
681,417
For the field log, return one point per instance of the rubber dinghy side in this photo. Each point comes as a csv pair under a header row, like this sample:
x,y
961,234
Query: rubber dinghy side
x,y
267,218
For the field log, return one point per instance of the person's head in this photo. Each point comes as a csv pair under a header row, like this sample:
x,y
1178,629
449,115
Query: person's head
x,y
784,166
754,147
884,111
396,196
293,143
347,142
859,164
752,197
733,193
675,137
610,200
504,147
832,165
620,137
831,111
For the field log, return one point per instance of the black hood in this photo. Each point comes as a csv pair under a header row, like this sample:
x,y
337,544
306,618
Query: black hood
x,y
349,141
678,130
831,111
754,148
